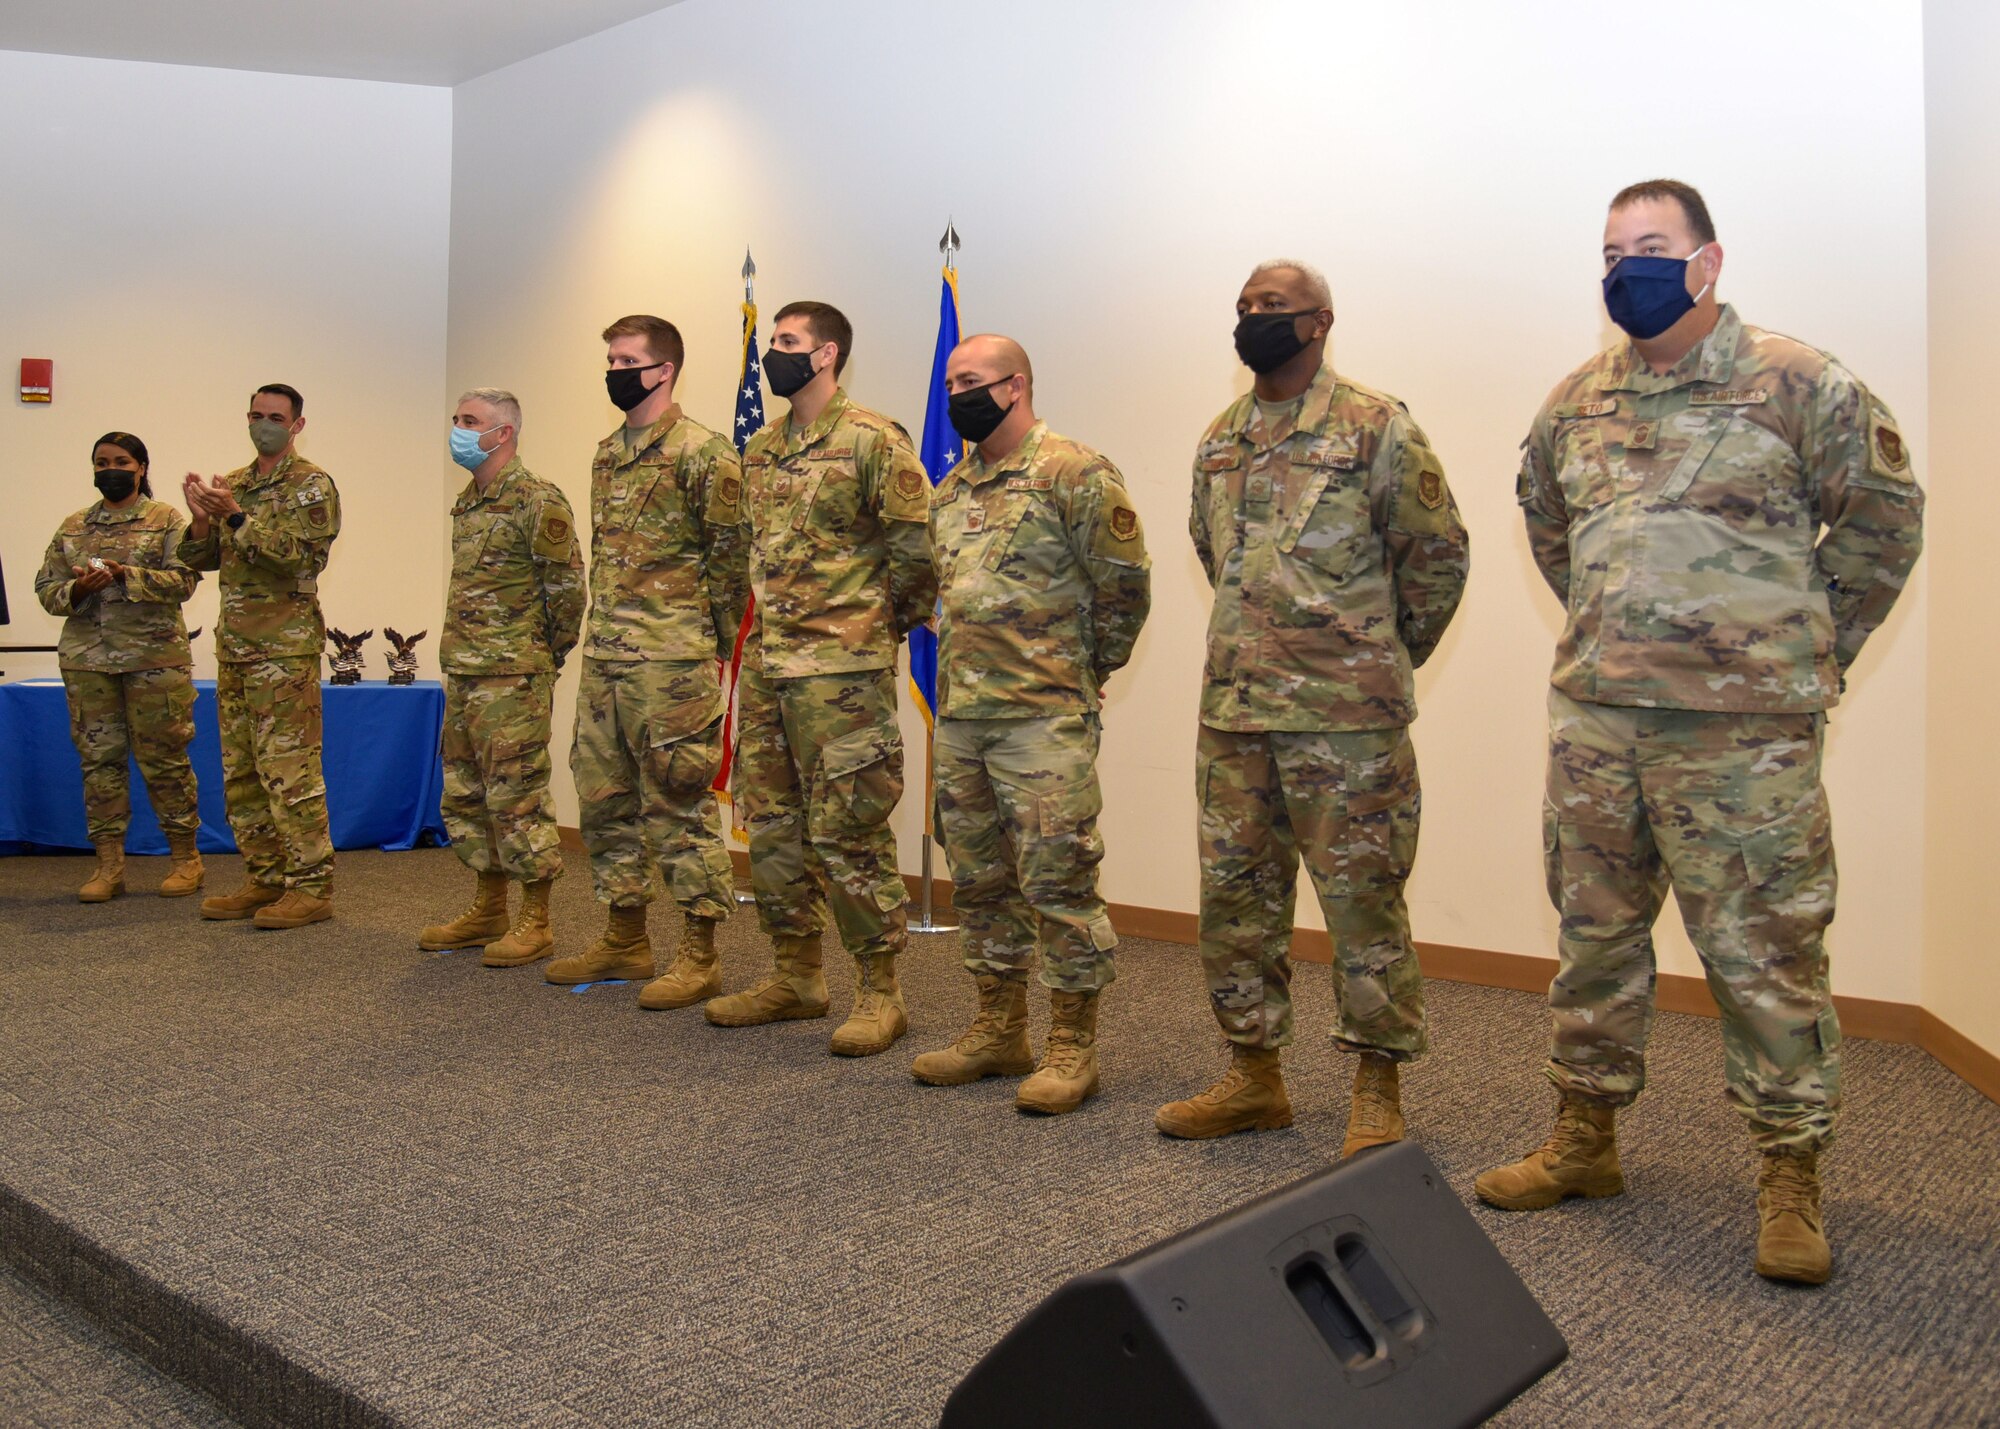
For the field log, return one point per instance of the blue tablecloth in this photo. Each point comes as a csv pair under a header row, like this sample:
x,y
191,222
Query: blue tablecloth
x,y
384,776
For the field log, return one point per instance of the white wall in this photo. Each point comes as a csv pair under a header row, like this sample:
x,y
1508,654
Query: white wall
x,y
173,237
1115,173
1961,894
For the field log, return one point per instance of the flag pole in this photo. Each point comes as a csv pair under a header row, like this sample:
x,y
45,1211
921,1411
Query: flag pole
x,y
927,919
744,895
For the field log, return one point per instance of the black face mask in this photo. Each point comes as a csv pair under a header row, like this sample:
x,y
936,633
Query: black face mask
x,y
787,372
1267,341
627,385
116,485
974,414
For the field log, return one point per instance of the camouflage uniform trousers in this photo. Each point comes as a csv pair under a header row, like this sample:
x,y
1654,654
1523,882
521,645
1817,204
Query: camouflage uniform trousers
x,y
497,806
1730,808
1348,801
147,713
271,779
648,747
821,768
1018,801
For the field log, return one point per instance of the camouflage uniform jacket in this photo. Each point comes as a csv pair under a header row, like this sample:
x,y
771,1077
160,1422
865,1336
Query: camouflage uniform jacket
x,y
1679,518
840,556
667,548
133,624
1337,556
1043,580
516,599
271,564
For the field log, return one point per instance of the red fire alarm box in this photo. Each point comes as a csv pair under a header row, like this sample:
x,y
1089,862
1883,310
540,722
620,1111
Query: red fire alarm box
x,y
38,379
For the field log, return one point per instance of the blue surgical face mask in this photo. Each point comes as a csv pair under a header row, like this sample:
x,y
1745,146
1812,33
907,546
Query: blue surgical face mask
x,y
1646,296
465,448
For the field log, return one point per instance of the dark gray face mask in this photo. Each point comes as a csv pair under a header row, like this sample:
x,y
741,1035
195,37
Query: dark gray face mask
x,y
114,484
974,414
1267,341
270,437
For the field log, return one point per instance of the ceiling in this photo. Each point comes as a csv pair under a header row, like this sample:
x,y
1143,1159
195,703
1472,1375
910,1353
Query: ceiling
x,y
408,41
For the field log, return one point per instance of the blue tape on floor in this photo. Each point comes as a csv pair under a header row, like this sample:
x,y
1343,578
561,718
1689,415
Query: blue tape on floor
x,y
607,982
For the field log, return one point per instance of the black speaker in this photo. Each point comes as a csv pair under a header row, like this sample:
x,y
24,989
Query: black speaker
x,y
1363,1295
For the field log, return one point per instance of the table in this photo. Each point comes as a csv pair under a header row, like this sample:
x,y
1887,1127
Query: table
x,y
384,773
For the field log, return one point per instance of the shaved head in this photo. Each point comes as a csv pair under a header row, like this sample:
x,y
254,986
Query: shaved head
x,y
989,356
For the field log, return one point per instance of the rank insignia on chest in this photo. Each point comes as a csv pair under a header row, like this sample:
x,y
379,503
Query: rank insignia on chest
x,y
975,520
1257,489
1642,436
782,487
1124,523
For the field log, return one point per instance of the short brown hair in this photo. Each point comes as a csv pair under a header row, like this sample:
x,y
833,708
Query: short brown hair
x,y
827,324
1686,195
663,339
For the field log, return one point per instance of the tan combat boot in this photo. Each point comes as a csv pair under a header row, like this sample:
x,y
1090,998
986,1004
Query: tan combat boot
x,y
1068,1072
1580,1158
107,880
242,903
529,940
621,951
794,988
879,1016
1250,1097
995,1045
1791,1238
186,874
479,924
1375,1118
294,909
696,973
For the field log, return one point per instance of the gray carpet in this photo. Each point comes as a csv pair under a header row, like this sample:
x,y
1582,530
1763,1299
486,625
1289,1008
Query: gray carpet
x,y
59,1369
469,1198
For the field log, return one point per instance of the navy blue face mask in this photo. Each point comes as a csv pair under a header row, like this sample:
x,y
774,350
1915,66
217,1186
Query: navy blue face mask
x,y
1646,296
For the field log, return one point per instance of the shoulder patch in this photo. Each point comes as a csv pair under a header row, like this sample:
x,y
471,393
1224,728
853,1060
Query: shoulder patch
x,y
1124,522
1887,454
553,534
909,484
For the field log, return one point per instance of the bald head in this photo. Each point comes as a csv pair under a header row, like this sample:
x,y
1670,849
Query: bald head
x,y
987,357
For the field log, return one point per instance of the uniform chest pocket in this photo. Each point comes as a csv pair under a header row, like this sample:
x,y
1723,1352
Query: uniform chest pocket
x,y
1582,465
829,508
1223,477
1329,524
1742,473
469,548
1029,547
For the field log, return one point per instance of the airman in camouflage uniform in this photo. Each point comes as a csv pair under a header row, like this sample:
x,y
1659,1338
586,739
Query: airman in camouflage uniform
x,y
113,573
268,528
667,580
1726,515
512,614
836,505
1322,517
1043,586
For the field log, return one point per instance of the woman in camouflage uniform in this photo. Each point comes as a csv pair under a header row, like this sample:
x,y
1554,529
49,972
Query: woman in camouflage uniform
x,y
111,570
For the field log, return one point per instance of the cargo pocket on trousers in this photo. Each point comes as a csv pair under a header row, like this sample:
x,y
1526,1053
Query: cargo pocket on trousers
x,y
1787,854
1063,811
676,759
1828,1027
860,778
1552,871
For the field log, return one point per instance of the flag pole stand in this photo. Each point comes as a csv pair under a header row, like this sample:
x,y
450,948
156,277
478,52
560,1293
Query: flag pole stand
x,y
927,920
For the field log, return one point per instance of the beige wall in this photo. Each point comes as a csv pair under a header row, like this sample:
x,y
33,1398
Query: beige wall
x,y
1961,893
174,237
1115,176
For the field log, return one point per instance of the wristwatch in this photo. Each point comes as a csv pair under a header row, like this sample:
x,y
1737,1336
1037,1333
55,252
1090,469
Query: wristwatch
x,y
235,520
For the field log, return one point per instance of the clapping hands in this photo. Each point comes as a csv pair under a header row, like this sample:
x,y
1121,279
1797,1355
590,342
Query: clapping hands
x,y
207,500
